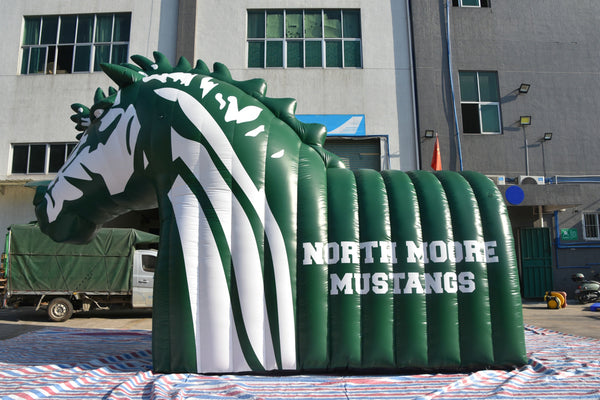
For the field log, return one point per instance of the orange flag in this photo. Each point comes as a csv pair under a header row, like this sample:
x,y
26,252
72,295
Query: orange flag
x,y
436,161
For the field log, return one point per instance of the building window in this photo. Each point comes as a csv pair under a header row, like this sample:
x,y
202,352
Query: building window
x,y
304,39
480,102
591,226
39,158
471,3
59,44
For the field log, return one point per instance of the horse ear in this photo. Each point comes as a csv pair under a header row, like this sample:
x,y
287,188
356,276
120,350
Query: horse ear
x,y
122,76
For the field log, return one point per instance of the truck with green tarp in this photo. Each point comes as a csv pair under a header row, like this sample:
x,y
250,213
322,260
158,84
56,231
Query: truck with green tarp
x,y
115,268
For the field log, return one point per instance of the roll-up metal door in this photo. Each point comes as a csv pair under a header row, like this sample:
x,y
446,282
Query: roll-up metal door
x,y
357,153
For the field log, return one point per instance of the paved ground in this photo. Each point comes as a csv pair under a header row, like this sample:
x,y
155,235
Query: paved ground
x,y
14,322
575,319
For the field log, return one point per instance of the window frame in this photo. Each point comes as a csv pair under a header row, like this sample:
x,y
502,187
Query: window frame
x,y
586,226
148,266
481,104
69,146
323,40
52,50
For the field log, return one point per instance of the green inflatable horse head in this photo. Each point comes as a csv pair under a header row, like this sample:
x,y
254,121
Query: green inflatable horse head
x,y
273,256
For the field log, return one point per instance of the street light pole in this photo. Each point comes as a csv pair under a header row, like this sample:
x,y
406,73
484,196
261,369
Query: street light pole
x,y
526,152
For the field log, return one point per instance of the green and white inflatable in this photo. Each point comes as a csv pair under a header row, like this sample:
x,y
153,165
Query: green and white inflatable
x,y
273,256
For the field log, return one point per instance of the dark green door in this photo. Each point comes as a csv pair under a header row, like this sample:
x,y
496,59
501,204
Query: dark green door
x,y
536,261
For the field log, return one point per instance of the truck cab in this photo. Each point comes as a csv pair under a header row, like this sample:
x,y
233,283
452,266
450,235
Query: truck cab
x,y
144,264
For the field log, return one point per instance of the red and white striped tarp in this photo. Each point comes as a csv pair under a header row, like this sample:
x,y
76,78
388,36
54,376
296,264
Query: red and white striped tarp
x,y
113,364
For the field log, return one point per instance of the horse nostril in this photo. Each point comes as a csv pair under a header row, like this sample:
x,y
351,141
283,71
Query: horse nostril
x,y
40,192
41,187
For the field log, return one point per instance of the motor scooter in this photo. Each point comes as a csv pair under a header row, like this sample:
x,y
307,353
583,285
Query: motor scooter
x,y
588,291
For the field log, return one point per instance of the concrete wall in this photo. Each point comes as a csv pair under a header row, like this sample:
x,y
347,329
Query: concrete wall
x,y
551,45
382,89
36,108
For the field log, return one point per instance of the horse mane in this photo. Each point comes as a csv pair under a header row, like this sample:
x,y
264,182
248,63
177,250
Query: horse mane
x,y
126,74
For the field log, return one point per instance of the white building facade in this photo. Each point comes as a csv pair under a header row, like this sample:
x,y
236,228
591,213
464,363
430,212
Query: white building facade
x,y
50,53
347,62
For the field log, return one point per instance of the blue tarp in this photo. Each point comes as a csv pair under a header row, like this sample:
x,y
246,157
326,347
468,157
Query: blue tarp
x,y
111,364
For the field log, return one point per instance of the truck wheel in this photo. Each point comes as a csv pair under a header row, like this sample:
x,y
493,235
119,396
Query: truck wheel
x,y
60,309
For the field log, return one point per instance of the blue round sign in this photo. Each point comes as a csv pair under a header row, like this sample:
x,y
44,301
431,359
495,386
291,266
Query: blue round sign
x,y
514,195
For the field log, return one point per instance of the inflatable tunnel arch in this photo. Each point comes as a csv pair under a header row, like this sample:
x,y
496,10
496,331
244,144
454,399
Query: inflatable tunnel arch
x,y
273,256
420,273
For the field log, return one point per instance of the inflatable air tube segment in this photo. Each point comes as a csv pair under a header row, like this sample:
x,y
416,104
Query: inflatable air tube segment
x,y
273,256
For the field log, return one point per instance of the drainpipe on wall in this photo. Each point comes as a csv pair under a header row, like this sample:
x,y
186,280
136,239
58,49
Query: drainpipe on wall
x,y
413,82
449,48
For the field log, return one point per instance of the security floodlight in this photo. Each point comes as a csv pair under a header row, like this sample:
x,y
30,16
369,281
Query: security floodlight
x,y
524,88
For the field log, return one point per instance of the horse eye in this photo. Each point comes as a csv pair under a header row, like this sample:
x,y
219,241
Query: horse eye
x,y
98,112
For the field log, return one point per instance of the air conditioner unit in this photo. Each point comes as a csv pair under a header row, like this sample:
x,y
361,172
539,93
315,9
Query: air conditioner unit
x,y
497,179
531,180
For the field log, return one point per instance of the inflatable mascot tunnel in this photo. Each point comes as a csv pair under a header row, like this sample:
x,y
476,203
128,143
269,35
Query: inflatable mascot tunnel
x,y
273,256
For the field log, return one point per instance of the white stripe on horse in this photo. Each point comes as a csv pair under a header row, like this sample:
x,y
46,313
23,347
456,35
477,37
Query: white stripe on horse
x,y
245,254
254,313
207,286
